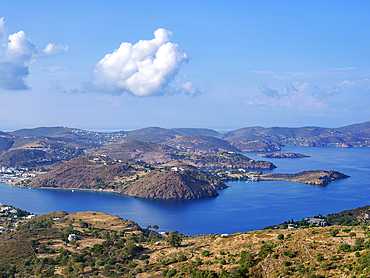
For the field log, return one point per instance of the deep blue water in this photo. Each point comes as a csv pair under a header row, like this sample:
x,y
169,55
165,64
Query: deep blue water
x,y
242,207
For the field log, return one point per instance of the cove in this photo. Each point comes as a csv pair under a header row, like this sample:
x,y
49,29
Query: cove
x,y
244,206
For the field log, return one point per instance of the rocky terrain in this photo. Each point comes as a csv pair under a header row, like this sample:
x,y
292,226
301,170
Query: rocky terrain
x,y
357,135
136,151
47,145
170,184
169,181
108,246
319,177
222,160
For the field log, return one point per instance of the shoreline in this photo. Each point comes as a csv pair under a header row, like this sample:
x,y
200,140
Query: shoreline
x,y
107,191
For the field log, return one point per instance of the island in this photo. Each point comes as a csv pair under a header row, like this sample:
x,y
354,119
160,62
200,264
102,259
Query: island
x,y
283,155
319,177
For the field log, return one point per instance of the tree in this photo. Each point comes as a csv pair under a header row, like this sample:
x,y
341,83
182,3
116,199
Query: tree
x,y
173,239
334,232
352,234
149,227
280,237
319,257
155,227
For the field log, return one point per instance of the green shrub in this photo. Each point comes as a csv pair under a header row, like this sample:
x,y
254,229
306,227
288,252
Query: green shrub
x,y
205,253
172,272
319,257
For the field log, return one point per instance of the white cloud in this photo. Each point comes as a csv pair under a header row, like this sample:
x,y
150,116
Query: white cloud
x,y
3,29
190,89
52,50
20,51
286,75
143,69
299,96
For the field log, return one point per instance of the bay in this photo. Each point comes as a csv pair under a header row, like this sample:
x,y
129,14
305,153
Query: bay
x,y
244,206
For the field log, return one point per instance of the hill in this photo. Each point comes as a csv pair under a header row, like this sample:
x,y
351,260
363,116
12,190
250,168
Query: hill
x,y
182,182
357,135
135,150
200,144
222,160
90,173
38,152
41,131
196,132
108,246
137,180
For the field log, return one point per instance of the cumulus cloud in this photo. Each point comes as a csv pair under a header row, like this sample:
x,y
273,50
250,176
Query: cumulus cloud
x,y
190,89
19,52
143,69
52,50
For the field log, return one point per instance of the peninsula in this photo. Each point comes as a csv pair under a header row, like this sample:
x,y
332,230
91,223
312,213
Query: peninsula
x,y
319,177
168,181
283,155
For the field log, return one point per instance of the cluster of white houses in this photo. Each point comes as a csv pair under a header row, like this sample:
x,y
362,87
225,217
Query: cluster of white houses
x,y
11,214
16,174
10,211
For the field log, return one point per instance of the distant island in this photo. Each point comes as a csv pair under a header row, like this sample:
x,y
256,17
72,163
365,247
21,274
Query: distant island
x,y
283,155
319,177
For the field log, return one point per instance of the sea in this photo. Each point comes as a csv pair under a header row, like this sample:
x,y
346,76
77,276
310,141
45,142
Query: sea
x,y
242,207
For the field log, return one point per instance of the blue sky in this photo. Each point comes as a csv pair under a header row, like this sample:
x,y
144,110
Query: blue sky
x,y
119,65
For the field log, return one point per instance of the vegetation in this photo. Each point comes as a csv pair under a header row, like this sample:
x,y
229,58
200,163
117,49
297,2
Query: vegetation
x,y
107,246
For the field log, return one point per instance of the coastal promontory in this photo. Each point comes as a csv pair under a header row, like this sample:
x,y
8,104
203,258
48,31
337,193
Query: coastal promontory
x,y
168,181
318,177
283,155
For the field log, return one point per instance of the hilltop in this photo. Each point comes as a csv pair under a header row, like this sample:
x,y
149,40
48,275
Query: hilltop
x,y
103,245
47,145
357,135
175,181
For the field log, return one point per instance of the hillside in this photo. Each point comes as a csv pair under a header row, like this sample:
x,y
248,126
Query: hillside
x,y
137,180
135,150
200,144
37,152
22,148
41,131
85,173
108,246
174,184
196,131
357,135
222,160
